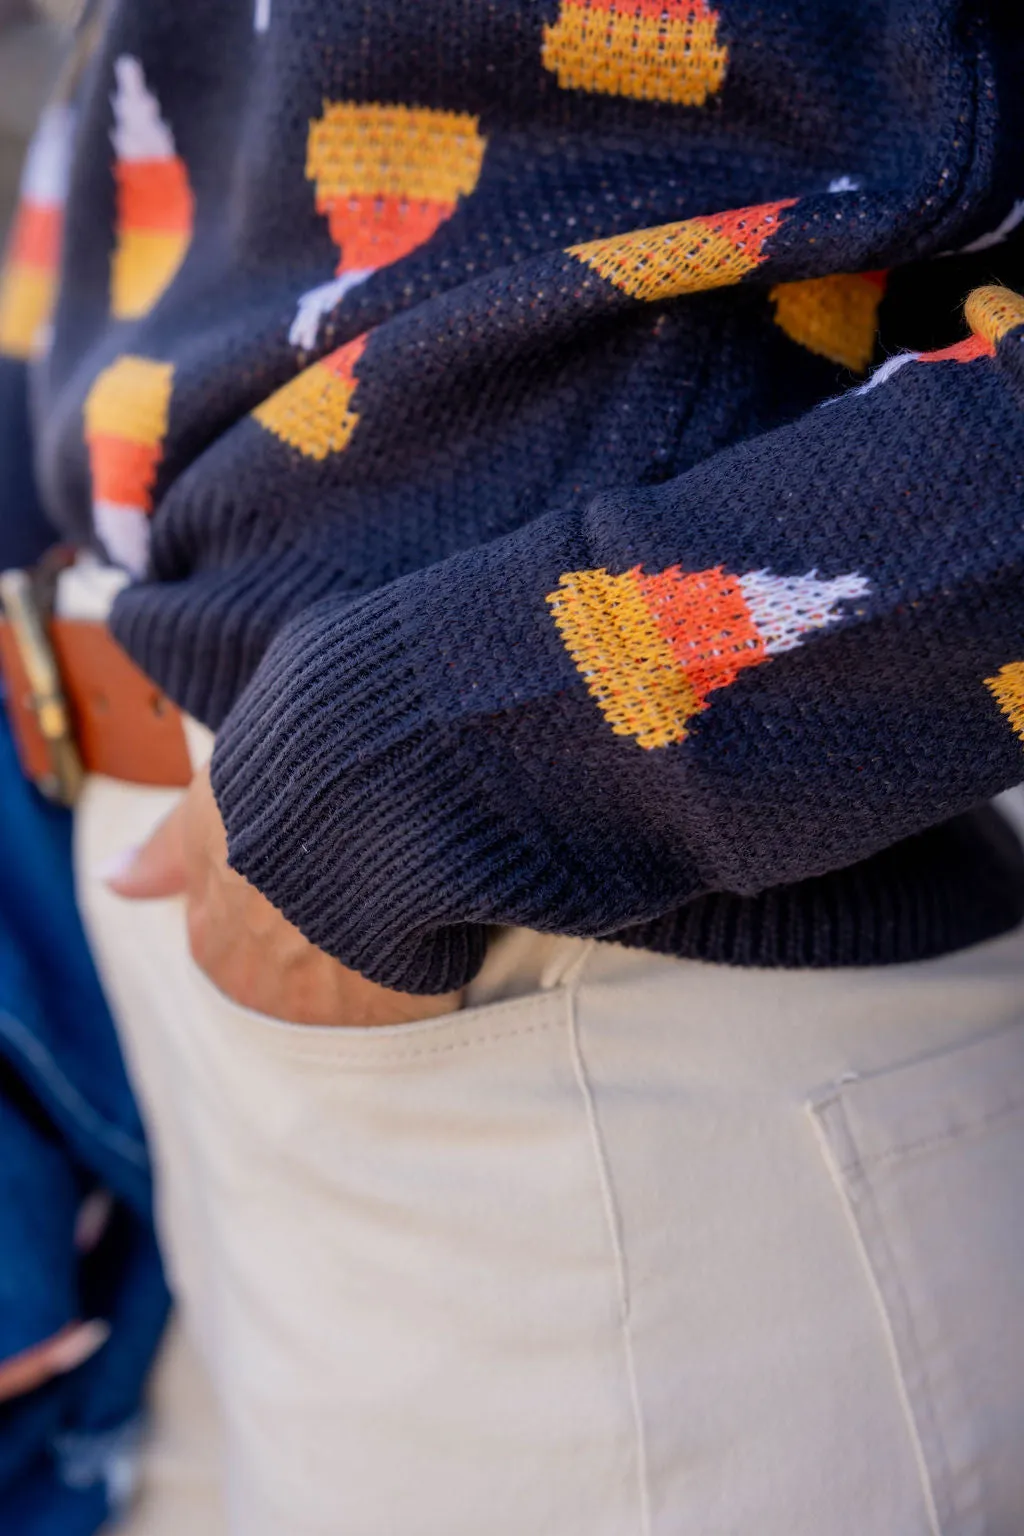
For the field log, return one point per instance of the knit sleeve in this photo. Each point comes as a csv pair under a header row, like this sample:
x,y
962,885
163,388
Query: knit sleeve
x,y
801,651
24,530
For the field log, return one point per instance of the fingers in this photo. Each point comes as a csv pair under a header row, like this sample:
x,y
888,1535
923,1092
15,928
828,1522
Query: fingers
x,y
155,869
247,948
69,1348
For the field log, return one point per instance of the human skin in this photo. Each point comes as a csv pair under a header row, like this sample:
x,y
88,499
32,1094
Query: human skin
x,y
55,1356
242,942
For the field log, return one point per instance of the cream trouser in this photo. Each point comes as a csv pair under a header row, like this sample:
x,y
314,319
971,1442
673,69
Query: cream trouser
x,y
629,1246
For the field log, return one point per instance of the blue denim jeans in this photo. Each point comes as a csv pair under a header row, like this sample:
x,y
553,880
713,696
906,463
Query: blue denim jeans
x,y
69,1128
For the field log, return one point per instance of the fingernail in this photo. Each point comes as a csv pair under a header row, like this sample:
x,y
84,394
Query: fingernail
x,y
117,864
78,1345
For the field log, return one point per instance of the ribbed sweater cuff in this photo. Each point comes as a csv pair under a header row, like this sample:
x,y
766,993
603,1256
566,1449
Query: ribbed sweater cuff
x,y
348,808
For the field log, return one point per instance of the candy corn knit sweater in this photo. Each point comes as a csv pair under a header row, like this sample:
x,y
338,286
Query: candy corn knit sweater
x,y
572,451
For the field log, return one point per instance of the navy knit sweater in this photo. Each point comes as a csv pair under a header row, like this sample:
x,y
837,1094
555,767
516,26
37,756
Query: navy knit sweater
x,y
480,392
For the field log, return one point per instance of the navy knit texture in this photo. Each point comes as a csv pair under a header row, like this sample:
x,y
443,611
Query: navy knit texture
x,y
565,564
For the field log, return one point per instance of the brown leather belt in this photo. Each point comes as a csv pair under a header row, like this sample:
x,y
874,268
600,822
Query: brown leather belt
x,y
77,703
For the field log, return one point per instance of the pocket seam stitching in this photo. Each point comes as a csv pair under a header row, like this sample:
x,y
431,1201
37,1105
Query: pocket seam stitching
x,y
358,1053
872,1241
861,1160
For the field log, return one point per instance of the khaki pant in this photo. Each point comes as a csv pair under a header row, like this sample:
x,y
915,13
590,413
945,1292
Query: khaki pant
x,y
629,1247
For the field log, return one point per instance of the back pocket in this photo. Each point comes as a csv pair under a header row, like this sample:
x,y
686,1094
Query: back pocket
x,y
929,1159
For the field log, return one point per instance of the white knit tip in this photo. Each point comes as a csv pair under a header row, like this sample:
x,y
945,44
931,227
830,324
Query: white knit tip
x,y
139,132
885,371
124,534
318,302
844,184
785,608
261,16
44,179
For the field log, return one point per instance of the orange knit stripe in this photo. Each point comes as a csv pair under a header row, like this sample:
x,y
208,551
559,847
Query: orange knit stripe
x,y
705,619
373,231
154,194
747,228
992,313
122,471
966,351
36,237
342,361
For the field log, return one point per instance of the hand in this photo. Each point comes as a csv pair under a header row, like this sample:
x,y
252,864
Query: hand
x,y
55,1356
242,942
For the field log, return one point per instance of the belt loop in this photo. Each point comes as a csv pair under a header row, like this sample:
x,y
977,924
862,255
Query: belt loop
x,y
199,741
565,966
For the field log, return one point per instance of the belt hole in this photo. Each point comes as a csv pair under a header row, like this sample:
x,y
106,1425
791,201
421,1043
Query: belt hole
x,y
159,705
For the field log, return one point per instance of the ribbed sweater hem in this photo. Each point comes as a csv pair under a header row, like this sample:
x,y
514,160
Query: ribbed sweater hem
x,y
373,830
958,885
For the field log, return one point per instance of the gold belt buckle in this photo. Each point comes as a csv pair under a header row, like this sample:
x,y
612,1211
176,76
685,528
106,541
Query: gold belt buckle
x,y
63,782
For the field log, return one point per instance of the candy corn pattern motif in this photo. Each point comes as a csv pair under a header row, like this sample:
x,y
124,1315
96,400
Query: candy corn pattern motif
x,y
836,316
651,50
28,282
674,259
155,206
313,412
386,179
126,414
651,648
991,312
1007,688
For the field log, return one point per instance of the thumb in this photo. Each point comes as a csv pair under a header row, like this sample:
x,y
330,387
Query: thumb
x,y
156,868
